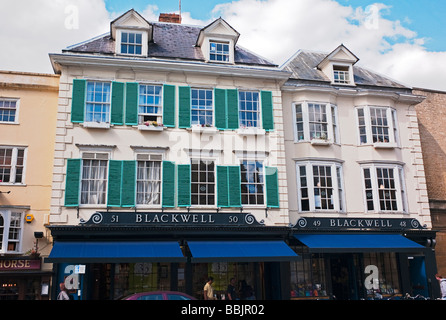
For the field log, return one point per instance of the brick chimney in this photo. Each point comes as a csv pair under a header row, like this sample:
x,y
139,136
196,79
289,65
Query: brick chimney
x,y
170,17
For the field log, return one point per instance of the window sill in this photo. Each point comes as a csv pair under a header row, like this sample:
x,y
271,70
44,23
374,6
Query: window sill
x,y
321,142
200,129
384,145
97,125
144,127
250,131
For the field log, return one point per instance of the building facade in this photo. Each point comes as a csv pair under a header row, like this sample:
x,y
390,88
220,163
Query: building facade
x,y
357,189
28,104
429,114
169,164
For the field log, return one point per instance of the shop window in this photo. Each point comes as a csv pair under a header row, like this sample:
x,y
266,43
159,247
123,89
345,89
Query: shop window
x,y
381,275
308,279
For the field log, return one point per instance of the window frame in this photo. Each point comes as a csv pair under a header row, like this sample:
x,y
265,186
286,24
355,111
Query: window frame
x,y
13,166
7,216
196,108
226,55
246,111
392,126
127,44
150,155
105,181
345,74
263,184
17,108
160,106
399,182
215,195
338,189
92,123
331,115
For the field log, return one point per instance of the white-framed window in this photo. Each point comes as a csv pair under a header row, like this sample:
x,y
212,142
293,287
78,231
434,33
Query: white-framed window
x,y
12,165
98,102
315,121
94,178
148,179
203,182
218,51
202,107
9,110
341,74
377,125
11,226
320,186
384,188
252,182
131,42
150,109
249,109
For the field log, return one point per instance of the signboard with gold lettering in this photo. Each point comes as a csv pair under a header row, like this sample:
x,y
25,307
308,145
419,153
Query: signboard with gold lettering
x,y
17,264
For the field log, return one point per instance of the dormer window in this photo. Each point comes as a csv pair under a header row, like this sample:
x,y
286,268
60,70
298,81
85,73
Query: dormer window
x,y
218,51
131,43
341,74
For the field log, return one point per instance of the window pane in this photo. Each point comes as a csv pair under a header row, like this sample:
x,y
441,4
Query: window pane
x,y
202,107
148,183
249,109
98,102
252,182
202,182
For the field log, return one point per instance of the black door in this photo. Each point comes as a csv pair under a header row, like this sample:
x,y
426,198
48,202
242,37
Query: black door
x,y
343,277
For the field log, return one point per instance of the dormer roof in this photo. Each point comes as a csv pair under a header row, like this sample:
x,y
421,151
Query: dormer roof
x,y
341,55
218,28
130,20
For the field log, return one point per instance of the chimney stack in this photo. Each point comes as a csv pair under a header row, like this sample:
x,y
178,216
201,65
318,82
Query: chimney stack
x,y
170,17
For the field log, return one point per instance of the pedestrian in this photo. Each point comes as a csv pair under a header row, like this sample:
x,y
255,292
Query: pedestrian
x,y
63,294
209,290
231,291
442,282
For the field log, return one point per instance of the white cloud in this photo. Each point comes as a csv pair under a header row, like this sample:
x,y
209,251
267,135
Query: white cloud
x,y
275,29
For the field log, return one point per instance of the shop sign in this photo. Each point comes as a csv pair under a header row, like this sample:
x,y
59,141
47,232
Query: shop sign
x,y
19,264
357,223
173,219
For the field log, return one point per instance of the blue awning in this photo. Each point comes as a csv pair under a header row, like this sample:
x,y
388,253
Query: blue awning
x,y
115,252
240,251
358,243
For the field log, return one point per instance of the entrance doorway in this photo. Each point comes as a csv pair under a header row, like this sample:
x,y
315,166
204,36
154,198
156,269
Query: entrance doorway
x,y
343,277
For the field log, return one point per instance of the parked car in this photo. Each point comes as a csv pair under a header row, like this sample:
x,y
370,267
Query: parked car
x,y
159,295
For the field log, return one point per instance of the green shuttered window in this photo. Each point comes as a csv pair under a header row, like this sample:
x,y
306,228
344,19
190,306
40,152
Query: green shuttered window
x,y
220,108
72,183
131,104
78,100
232,102
184,107
114,183
117,103
168,184
128,183
169,106
184,181
267,110
272,187
228,186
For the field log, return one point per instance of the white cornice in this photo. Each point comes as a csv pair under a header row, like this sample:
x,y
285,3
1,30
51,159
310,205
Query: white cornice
x,y
58,60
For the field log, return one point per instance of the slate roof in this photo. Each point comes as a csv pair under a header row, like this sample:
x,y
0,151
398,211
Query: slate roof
x,y
170,41
303,66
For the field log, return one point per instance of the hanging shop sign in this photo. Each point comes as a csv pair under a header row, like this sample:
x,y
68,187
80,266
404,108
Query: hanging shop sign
x,y
19,264
357,223
173,219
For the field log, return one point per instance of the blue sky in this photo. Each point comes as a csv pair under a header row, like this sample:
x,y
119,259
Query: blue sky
x,y
402,39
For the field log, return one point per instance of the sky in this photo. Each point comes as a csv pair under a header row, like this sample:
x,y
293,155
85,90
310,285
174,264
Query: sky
x,y
402,39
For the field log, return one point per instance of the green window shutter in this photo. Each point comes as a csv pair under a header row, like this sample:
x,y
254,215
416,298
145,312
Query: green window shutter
x,y
235,190
220,108
169,106
184,107
72,183
114,183
117,103
131,103
272,187
128,184
78,100
168,184
267,110
222,186
232,108
183,185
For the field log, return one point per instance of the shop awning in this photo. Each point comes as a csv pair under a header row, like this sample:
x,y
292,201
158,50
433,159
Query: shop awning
x,y
240,251
115,252
358,243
